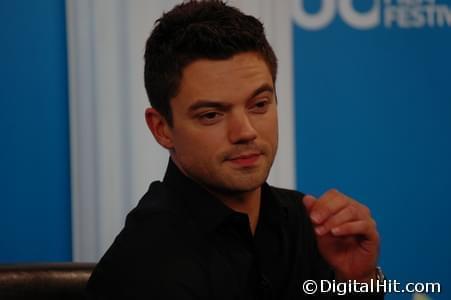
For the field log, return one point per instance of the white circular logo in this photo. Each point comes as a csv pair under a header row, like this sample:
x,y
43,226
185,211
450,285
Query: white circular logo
x,y
328,10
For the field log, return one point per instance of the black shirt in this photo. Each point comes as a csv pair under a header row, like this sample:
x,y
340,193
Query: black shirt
x,y
182,243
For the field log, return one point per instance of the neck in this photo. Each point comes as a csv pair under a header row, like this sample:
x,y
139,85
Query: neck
x,y
246,203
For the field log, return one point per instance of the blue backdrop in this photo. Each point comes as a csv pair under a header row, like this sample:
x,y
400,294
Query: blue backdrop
x,y
373,119
34,153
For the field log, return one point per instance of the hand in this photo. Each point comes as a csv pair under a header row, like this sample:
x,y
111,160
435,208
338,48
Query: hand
x,y
346,235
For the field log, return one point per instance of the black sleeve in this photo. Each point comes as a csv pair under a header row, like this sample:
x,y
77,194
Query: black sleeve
x,y
147,265
104,286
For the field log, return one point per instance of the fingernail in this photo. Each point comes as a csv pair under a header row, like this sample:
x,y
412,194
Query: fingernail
x,y
315,217
335,230
320,230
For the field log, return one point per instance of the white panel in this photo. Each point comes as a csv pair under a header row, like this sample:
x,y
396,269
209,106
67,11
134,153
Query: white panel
x,y
147,159
83,135
114,157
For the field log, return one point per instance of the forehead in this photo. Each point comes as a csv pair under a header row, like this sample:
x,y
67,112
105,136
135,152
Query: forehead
x,y
224,80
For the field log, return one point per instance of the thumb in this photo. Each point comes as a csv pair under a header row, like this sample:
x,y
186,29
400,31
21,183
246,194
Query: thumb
x,y
308,201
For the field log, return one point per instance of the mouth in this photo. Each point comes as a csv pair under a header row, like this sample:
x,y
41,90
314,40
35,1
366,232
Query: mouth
x,y
245,159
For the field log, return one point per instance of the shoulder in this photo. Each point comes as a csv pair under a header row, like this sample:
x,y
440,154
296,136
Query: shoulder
x,y
157,242
157,225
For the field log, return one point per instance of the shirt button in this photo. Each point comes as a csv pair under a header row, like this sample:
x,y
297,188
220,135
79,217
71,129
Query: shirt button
x,y
264,282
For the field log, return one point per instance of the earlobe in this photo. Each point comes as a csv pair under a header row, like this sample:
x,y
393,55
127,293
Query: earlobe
x,y
159,127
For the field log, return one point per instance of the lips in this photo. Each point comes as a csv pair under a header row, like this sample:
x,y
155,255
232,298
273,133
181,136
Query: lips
x,y
245,160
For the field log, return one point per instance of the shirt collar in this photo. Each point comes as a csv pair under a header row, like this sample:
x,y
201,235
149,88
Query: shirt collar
x,y
209,212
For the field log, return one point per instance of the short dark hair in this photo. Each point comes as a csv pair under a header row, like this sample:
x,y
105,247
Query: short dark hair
x,y
194,30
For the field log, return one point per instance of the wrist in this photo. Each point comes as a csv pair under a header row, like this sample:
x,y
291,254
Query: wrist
x,y
373,275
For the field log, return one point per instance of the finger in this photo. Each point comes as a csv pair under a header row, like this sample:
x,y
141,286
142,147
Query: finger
x,y
366,228
328,204
308,201
347,214
354,211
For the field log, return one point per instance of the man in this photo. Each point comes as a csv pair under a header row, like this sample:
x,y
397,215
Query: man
x,y
213,229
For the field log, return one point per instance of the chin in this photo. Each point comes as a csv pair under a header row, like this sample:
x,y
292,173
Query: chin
x,y
245,183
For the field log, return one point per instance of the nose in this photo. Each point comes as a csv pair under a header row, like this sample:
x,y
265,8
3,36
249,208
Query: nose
x,y
241,129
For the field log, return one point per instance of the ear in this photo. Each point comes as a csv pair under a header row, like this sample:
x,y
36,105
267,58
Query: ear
x,y
159,127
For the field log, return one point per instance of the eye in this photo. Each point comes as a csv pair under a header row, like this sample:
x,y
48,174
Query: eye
x,y
209,118
260,106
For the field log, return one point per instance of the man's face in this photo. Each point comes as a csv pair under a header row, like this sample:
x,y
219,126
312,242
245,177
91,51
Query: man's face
x,y
224,131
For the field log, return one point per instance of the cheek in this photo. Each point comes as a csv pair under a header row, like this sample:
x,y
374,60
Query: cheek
x,y
268,127
197,145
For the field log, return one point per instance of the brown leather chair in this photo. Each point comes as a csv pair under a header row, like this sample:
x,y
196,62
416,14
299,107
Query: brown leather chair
x,y
44,281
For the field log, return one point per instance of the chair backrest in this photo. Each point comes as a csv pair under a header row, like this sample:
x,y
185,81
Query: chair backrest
x,y
56,281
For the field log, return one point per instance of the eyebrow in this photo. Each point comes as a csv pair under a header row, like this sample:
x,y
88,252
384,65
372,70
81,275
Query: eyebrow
x,y
263,88
203,103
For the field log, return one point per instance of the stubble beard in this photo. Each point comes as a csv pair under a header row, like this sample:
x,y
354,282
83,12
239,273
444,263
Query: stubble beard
x,y
228,180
